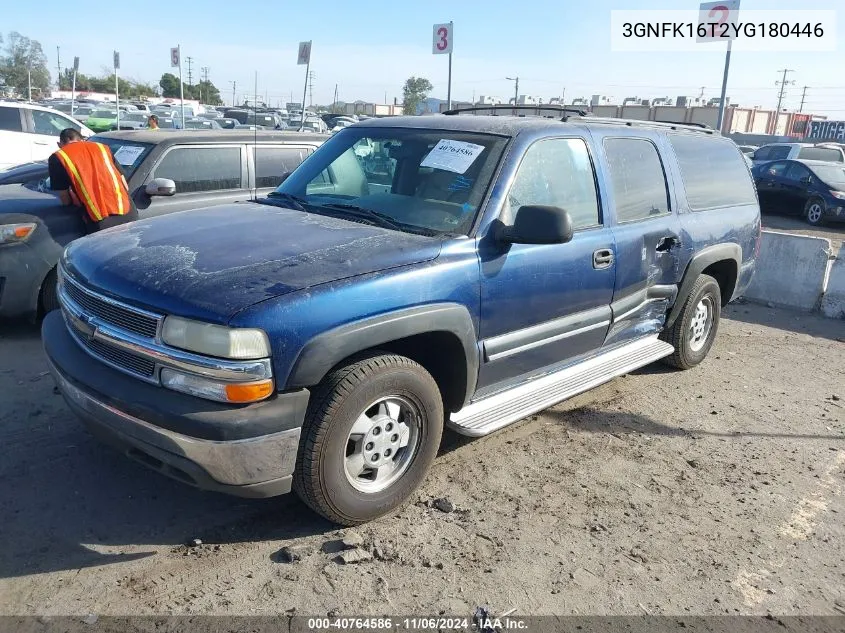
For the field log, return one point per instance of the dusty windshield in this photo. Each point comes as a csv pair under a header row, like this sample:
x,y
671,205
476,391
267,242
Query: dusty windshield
x,y
428,180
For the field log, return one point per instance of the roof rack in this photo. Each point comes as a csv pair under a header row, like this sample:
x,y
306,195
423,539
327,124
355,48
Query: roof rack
x,y
514,108
696,127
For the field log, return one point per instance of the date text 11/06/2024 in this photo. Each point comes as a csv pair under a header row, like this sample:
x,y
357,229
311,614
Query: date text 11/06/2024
x,y
418,624
721,30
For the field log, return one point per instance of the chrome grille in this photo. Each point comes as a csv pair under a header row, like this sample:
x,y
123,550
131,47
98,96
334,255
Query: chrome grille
x,y
121,316
126,360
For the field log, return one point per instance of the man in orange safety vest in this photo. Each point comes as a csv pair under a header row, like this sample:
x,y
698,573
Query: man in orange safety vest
x,y
85,174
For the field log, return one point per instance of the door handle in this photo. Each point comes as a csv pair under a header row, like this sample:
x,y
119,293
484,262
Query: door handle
x,y
602,258
666,244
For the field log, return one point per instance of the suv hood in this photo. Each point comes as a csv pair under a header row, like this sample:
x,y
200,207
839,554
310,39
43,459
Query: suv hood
x,y
211,263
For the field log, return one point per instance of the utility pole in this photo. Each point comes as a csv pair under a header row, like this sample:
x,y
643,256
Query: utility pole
x,y
515,91
311,76
190,76
803,98
334,103
204,70
783,83
59,68
701,94
473,97
234,84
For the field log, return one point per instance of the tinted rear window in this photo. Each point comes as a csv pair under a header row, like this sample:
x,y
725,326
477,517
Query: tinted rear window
x,y
272,162
10,119
714,172
820,153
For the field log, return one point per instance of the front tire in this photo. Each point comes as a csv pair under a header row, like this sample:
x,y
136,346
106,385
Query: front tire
x,y
49,296
372,431
814,211
695,329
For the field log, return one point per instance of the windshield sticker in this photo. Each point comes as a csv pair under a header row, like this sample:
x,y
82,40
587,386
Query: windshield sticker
x,y
128,154
454,156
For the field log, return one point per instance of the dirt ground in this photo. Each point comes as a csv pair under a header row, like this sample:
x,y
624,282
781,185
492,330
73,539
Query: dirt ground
x,y
713,491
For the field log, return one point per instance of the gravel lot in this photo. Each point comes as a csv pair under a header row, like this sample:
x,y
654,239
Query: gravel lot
x,y
713,491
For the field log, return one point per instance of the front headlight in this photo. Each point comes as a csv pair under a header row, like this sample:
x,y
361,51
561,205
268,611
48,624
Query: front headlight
x,y
215,340
838,194
10,233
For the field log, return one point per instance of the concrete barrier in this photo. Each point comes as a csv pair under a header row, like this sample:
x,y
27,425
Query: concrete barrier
x,y
833,301
792,271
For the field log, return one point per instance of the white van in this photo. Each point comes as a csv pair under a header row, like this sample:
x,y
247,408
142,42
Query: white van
x,y
30,132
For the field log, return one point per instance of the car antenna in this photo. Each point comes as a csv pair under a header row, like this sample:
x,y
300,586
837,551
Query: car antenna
x,y
255,140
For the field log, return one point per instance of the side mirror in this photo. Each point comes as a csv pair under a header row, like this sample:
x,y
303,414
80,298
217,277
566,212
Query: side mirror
x,y
160,187
538,224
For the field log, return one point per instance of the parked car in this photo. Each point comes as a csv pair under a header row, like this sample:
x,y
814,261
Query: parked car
x,y
320,338
805,151
226,123
133,121
239,114
30,132
202,124
246,126
82,112
32,175
811,188
103,120
166,170
748,150
142,107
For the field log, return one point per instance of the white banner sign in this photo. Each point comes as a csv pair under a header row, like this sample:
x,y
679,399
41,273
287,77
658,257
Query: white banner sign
x,y
174,57
442,41
304,54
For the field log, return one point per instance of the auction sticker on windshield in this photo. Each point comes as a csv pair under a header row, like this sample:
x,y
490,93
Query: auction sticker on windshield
x,y
127,154
454,156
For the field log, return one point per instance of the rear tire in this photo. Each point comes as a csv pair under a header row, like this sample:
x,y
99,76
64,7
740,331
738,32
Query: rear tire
x,y
695,329
372,431
814,211
49,296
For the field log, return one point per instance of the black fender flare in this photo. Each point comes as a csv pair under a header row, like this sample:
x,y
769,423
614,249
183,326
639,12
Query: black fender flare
x,y
699,262
329,348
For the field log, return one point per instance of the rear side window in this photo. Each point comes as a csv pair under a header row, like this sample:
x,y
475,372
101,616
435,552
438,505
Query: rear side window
x,y
821,153
714,172
10,120
639,183
202,168
273,162
778,152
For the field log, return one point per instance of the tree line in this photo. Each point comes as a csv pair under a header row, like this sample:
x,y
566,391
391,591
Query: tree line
x,y
23,63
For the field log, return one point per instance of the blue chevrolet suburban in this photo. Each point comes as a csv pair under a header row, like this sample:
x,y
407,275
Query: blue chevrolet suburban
x,y
458,270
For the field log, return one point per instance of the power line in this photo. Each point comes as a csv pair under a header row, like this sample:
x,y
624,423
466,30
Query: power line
x,y
803,98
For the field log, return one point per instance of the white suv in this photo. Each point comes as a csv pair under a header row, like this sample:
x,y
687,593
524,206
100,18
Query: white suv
x,y
30,132
782,151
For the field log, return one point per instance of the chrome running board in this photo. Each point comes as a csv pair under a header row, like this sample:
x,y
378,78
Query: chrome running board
x,y
501,409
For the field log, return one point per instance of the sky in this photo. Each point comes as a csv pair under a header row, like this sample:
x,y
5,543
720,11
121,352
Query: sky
x,y
368,49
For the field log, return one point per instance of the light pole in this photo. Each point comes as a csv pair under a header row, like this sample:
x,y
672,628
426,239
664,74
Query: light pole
x,y
515,91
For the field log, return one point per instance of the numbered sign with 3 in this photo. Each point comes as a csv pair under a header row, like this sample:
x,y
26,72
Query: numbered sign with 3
x,y
442,42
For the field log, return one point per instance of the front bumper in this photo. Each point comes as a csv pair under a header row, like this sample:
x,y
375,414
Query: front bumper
x,y
133,416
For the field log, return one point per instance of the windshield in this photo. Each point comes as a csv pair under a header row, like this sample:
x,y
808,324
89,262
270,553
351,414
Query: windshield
x,y
128,154
831,175
428,180
103,114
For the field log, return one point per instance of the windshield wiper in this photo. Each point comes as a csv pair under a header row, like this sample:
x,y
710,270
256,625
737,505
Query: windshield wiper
x,y
294,202
382,219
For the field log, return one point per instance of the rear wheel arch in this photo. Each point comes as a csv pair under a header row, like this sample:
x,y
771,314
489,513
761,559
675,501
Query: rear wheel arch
x,y
722,262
